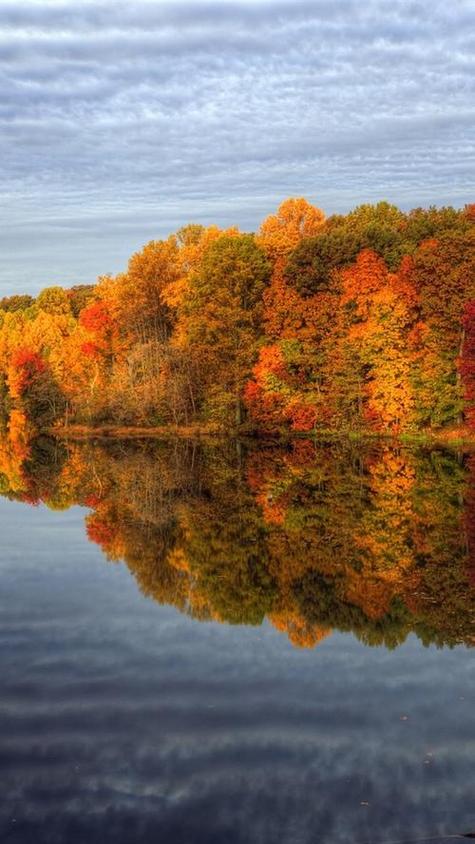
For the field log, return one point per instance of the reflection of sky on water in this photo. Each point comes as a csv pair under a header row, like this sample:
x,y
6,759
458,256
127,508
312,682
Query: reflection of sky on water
x,y
125,721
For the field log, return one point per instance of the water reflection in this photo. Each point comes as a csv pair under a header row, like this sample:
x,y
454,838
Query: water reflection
x,y
378,539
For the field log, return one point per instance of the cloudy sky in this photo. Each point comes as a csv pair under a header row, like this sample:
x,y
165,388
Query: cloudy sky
x,y
121,121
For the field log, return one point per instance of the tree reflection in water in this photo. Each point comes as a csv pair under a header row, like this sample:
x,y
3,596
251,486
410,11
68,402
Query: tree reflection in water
x,y
375,539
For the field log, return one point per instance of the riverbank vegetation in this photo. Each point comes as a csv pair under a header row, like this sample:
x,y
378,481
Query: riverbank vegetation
x,y
363,323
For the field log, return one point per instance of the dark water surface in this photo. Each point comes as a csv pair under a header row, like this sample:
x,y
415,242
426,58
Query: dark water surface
x,y
284,656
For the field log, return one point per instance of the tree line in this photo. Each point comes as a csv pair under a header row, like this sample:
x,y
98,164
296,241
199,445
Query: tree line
x,y
356,322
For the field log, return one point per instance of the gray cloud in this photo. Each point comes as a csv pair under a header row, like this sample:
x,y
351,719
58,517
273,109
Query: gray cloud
x,y
120,122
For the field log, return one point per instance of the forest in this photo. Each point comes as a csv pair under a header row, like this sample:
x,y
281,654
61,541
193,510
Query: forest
x,y
363,322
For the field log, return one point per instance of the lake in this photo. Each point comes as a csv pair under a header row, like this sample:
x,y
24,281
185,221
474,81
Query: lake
x,y
236,643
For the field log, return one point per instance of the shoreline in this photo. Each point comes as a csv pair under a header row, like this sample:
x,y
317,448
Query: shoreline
x,y
454,438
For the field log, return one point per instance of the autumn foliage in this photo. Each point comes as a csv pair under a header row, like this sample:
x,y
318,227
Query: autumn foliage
x,y
362,322
26,365
467,362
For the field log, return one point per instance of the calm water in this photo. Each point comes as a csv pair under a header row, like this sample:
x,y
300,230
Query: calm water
x,y
235,644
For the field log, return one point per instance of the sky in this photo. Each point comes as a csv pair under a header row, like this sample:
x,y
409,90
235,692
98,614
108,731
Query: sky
x,y
122,121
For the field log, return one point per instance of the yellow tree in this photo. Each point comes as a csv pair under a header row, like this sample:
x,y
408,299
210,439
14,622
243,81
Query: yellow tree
x,y
295,219
380,310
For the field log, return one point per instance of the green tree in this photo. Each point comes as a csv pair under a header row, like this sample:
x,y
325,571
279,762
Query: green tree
x,y
223,320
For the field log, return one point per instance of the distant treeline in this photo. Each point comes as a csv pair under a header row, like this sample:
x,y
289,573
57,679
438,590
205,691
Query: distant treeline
x,y
362,322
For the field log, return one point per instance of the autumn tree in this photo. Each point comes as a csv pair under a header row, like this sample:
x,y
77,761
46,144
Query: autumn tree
x,y
80,296
223,320
281,232
443,274
18,302
54,301
33,389
467,362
